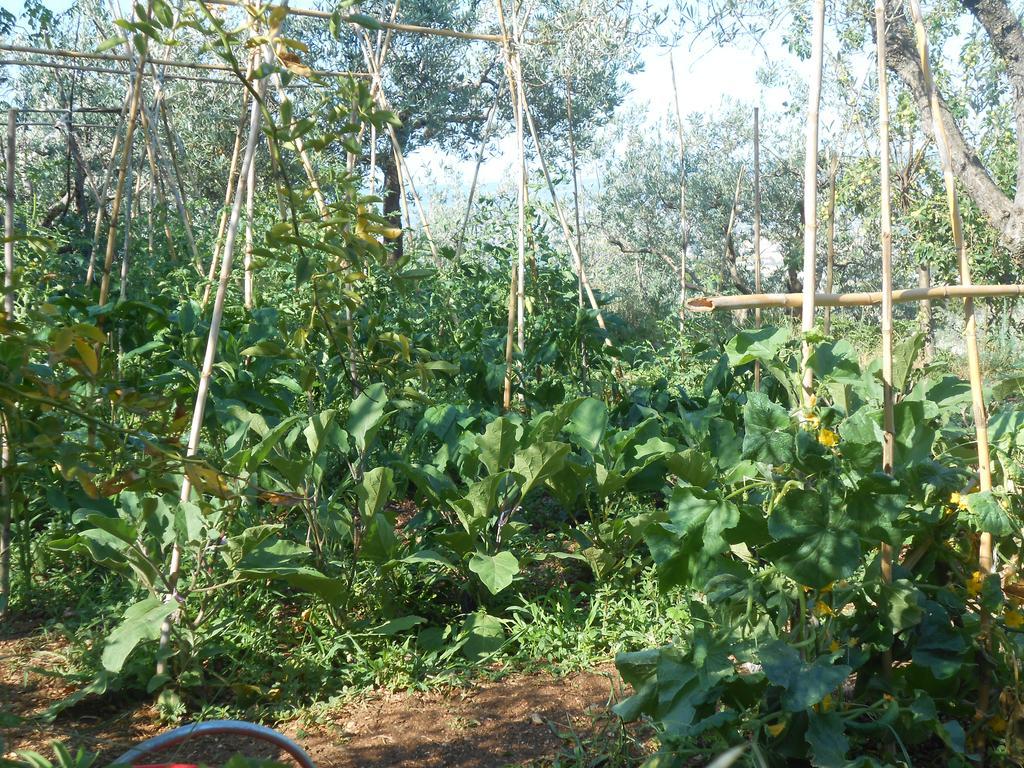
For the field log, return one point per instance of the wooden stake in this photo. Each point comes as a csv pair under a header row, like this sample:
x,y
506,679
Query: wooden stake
x,y
250,198
888,392
131,191
6,453
684,225
811,198
506,402
830,239
101,204
210,356
985,551
229,191
864,299
924,280
126,154
757,234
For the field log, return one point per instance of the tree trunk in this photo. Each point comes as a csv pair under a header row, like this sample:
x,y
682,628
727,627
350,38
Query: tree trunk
x,y
392,194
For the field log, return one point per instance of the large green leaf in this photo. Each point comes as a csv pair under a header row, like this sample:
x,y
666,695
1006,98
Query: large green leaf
x,y
826,736
365,415
538,462
809,546
498,444
588,423
985,513
768,436
803,684
141,622
696,511
761,344
374,491
495,571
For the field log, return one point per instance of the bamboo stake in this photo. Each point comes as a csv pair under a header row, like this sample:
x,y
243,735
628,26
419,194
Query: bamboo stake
x,y
9,62
247,277
863,299
924,280
6,452
757,234
682,200
488,126
985,548
830,238
732,214
210,356
101,201
811,198
70,54
436,31
566,231
506,402
126,249
229,191
126,153
888,392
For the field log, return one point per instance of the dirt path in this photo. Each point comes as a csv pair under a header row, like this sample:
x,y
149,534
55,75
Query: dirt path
x,y
520,720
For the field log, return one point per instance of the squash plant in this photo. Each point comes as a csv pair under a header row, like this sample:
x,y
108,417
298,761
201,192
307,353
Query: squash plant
x,y
794,626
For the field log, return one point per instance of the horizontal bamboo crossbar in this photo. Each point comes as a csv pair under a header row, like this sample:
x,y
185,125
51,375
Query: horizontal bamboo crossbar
x,y
905,296
62,124
57,111
118,57
413,28
109,71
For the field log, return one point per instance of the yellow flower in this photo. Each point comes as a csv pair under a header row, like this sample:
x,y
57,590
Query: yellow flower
x,y
834,646
811,420
828,438
825,705
956,500
975,583
812,401
1014,619
775,729
997,724
822,609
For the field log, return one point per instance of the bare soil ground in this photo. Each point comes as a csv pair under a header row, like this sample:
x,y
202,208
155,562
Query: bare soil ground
x,y
520,720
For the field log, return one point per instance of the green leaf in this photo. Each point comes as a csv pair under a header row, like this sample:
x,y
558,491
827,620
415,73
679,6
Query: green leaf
x,y
538,462
985,513
365,415
826,736
364,21
110,42
588,423
374,491
497,444
497,571
809,546
761,344
804,684
693,510
141,622
483,635
768,436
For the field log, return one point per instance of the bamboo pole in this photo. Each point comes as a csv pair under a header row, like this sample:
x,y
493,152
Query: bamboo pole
x,y
210,356
985,547
101,199
684,226
888,392
488,126
201,65
6,453
566,231
830,238
126,249
862,299
230,187
811,198
506,402
9,62
757,234
436,31
126,153
247,276
924,280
